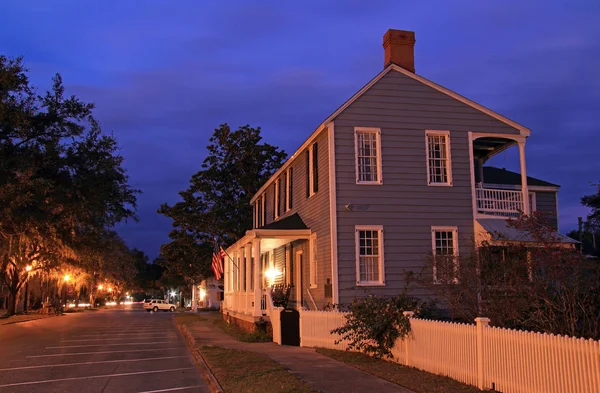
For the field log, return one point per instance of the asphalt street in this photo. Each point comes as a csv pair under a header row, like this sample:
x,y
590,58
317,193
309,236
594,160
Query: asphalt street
x,y
103,351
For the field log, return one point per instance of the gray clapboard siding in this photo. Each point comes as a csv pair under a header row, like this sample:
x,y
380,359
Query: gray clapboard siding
x,y
314,211
405,205
545,201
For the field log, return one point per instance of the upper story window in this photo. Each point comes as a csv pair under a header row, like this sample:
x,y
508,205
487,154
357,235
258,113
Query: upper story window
x,y
277,204
369,255
313,260
289,185
312,170
260,211
444,242
367,155
439,164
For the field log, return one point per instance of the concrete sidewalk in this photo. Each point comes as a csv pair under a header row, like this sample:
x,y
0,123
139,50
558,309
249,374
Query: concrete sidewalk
x,y
23,318
324,373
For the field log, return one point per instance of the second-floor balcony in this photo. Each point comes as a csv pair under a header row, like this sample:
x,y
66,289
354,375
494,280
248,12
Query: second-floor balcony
x,y
496,202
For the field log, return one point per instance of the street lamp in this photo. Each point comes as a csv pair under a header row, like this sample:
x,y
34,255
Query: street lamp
x,y
100,286
66,278
27,269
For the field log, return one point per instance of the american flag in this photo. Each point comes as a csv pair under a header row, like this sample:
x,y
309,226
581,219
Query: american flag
x,y
217,262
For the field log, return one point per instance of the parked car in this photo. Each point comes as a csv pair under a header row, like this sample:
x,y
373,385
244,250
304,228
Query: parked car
x,y
158,304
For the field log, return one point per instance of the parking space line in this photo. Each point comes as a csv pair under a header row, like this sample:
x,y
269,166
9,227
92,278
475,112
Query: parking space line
x,y
119,339
94,376
107,345
104,352
172,389
88,363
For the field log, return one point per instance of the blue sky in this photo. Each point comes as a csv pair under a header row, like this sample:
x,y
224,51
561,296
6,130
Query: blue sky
x,y
164,74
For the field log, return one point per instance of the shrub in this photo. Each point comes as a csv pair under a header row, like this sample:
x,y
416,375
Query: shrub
x,y
374,323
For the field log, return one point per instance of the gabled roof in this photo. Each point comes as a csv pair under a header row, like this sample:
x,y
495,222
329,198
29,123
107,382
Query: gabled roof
x,y
292,222
492,175
392,67
524,130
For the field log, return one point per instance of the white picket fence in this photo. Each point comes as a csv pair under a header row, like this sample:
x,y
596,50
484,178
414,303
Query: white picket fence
x,y
511,361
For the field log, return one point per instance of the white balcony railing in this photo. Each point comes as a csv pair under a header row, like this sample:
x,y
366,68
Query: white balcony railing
x,y
499,202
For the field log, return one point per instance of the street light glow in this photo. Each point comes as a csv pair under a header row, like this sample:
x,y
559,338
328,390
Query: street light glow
x,y
109,289
28,268
100,286
67,277
172,293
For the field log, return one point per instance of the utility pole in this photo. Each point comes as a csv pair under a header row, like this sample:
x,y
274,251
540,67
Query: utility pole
x,y
580,232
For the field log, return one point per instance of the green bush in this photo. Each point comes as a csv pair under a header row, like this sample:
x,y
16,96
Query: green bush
x,y
374,323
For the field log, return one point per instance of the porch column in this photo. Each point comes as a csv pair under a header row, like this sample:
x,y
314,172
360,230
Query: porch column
x,y
257,286
248,255
248,278
524,187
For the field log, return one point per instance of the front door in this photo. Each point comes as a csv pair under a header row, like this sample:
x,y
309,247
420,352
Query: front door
x,y
298,267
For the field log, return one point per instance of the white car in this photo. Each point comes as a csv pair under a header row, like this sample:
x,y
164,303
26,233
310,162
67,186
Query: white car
x,y
158,304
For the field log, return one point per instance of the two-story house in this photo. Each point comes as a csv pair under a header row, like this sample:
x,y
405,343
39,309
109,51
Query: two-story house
x,y
396,173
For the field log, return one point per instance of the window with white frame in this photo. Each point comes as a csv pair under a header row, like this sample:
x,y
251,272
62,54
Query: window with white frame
x,y
369,255
444,242
276,207
532,204
263,216
288,187
439,164
312,170
313,260
367,155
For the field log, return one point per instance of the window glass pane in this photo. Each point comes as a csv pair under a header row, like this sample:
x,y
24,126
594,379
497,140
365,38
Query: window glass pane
x,y
438,158
369,256
367,159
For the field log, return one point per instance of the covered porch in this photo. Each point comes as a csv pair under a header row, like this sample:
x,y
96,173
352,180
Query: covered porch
x,y
493,200
250,269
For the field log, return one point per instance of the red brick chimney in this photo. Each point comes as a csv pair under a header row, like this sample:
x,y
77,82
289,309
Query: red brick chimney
x,y
399,46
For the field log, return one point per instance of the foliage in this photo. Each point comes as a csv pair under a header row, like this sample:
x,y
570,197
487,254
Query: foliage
x,y
61,179
539,285
186,258
593,202
280,294
374,323
216,205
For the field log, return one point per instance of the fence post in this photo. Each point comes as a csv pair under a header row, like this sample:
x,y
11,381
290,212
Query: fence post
x,y
409,315
482,323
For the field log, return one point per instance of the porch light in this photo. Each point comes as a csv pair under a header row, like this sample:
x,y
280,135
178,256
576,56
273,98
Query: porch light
x,y
272,273
202,293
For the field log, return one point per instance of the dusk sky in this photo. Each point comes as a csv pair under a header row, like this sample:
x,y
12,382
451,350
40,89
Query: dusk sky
x,y
165,73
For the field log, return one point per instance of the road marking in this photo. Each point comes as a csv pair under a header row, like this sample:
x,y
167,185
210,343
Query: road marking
x,y
95,376
110,345
120,339
172,389
93,353
88,363
120,334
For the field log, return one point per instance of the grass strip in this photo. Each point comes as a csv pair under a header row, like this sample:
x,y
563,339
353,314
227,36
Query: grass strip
x,y
245,371
408,377
241,335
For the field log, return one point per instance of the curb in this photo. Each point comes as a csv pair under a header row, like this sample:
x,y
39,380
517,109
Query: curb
x,y
210,378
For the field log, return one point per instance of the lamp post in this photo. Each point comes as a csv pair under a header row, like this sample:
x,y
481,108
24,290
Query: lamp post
x,y
27,269
66,278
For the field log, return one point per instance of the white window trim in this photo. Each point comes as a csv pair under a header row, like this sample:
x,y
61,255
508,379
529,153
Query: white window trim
x,y
263,202
277,195
313,261
454,229
533,204
377,132
429,133
381,281
288,190
311,178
